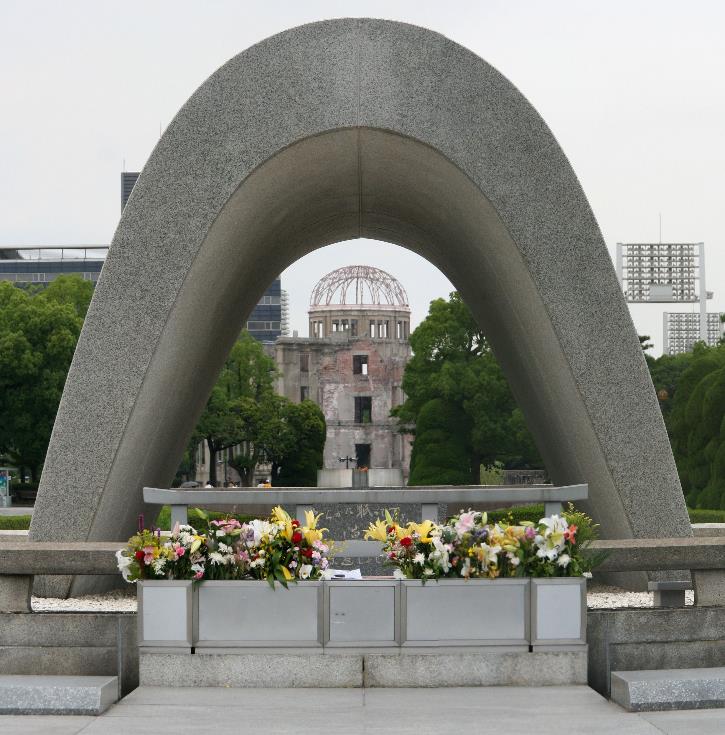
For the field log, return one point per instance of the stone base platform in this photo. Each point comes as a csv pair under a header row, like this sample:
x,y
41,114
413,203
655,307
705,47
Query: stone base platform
x,y
668,689
57,695
439,668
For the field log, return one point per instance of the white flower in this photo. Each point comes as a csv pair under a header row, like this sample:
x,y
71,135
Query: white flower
x,y
225,549
398,574
159,564
216,558
124,563
514,560
465,522
305,571
262,528
564,560
489,557
419,558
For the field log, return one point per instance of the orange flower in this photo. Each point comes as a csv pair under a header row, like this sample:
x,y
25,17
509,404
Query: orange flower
x,y
570,534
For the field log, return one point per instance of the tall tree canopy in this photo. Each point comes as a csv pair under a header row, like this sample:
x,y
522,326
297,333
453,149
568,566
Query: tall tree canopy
x,y
38,335
243,409
241,402
459,401
696,425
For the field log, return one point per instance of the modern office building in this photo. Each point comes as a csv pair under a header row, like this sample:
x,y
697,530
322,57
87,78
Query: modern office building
x,y
42,264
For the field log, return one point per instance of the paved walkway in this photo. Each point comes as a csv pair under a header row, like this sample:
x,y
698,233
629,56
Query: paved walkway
x,y
540,710
17,510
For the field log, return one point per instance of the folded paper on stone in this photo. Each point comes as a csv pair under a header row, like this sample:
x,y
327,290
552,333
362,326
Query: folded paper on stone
x,y
348,522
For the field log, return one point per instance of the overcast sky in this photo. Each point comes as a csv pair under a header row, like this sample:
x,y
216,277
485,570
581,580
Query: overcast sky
x,y
633,91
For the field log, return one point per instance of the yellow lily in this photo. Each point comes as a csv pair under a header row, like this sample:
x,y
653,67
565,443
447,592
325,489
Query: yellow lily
x,y
312,534
422,529
377,531
287,573
311,519
282,517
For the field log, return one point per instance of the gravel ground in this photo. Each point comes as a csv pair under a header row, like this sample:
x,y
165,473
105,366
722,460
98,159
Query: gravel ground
x,y
598,597
115,601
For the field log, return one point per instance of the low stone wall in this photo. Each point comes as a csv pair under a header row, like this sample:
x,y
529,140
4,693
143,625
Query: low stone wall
x,y
285,668
72,644
654,638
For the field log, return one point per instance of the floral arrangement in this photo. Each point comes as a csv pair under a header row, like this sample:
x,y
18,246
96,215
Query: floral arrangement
x,y
280,549
468,546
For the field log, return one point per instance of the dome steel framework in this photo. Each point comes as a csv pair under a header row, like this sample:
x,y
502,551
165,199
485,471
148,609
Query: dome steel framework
x,y
358,284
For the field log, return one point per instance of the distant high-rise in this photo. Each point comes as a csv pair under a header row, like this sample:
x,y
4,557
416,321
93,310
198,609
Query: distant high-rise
x,y
128,181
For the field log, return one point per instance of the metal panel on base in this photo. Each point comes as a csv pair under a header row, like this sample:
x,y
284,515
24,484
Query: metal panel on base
x,y
479,612
232,614
362,613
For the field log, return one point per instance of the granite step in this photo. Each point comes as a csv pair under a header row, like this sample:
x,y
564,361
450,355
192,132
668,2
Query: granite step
x,y
57,695
669,689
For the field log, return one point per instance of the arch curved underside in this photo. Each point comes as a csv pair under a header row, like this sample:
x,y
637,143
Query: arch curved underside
x,y
327,132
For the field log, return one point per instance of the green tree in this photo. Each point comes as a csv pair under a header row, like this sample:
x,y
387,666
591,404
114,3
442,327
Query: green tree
x,y
441,450
666,372
453,362
297,464
696,425
240,400
38,336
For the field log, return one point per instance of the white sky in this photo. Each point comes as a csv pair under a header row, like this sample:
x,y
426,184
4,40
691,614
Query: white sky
x,y
634,91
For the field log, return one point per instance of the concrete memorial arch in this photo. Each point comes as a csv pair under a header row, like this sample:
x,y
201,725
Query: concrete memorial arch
x,y
327,132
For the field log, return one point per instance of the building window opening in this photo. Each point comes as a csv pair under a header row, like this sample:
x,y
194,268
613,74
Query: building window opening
x,y
360,364
344,325
305,363
335,326
399,330
362,455
304,392
363,409
353,327
372,330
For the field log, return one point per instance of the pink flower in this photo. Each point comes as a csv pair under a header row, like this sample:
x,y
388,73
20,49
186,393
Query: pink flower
x,y
530,532
180,552
465,522
199,575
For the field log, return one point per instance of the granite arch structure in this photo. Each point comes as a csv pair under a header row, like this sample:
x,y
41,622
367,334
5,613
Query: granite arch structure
x,y
331,131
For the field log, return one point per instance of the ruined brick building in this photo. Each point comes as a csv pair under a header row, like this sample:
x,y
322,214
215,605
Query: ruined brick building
x,y
352,365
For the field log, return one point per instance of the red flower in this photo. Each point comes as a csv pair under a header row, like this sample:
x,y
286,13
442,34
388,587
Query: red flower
x,y
390,529
139,555
407,541
296,537
307,553
295,523
569,535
